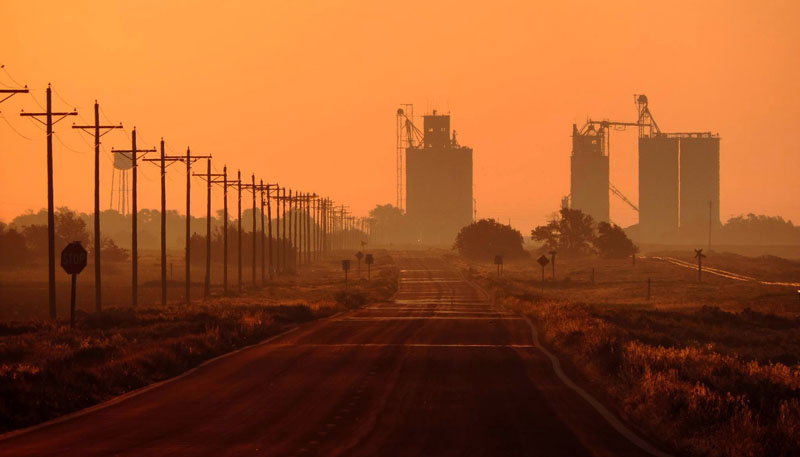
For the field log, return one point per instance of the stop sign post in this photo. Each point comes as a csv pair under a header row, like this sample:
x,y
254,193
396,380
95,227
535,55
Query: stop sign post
x,y
73,261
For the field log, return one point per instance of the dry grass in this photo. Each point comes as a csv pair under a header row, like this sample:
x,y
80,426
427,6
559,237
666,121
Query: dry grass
x,y
48,369
708,369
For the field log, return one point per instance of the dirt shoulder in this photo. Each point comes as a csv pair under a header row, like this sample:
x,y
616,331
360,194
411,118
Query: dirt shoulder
x,y
48,370
707,369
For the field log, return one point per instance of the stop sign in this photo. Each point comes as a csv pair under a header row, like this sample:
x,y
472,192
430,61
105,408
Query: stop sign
x,y
73,258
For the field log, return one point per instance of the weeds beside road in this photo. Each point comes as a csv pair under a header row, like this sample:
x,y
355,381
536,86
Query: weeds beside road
x,y
703,373
48,369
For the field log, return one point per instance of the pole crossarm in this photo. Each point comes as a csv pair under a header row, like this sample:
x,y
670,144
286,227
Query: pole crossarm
x,y
12,92
62,115
132,151
91,129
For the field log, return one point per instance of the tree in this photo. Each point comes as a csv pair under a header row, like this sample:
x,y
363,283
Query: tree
x,y
486,238
571,234
759,229
391,225
612,242
112,252
12,247
69,227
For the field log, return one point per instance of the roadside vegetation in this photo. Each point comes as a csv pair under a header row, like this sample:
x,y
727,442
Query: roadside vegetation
x,y
48,369
706,369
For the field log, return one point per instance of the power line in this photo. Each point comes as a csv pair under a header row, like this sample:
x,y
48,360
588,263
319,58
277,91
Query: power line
x,y
15,130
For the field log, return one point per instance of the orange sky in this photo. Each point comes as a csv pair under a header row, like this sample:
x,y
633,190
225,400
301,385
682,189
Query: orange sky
x,y
305,92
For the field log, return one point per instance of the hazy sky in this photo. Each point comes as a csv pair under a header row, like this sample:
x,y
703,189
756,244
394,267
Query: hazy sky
x,y
305,93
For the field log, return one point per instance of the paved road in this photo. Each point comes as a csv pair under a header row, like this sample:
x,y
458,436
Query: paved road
x,y
439,372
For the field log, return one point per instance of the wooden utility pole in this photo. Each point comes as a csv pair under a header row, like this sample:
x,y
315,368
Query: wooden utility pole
x,y
209,178
289,237
207,285
254,188
278,231
188,255
188,159
98,131
269,233
164,161
225,230
225,184
51,229
239,223
281,223
263,237
163,226
133,153
254,231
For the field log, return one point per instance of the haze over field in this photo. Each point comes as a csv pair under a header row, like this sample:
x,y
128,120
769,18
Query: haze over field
x,y
261,84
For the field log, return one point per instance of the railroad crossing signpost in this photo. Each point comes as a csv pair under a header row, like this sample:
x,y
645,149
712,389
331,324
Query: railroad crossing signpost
x,y
369,260
346,268
543,261
698,254
498,260
73,261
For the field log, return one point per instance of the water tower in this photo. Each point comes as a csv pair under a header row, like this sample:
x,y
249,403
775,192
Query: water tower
x,y
120,179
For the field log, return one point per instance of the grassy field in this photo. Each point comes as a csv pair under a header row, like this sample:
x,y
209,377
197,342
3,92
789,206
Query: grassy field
x,y
706,369
48,369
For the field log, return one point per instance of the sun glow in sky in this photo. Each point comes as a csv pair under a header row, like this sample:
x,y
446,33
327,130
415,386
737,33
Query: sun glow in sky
x,y
304,93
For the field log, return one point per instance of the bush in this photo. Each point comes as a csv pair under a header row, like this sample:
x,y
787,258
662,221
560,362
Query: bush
x,y
612,242
350,300
487,238
12,247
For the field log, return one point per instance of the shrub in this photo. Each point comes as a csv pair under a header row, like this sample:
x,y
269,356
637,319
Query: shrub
x,y
612,242
486,238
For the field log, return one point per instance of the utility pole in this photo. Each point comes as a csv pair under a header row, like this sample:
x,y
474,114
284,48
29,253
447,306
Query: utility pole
x,y
207,285
263,237
133,153
225,184
254,230
298,227
254,188
239,222
278,233
290,225
209,177
283,230
188,159
269,232
710,222
164,161
51,233
98,298
309,206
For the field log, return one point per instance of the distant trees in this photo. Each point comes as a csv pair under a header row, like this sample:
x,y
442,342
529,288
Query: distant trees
x,y
611,241
390,224
113,253
484,239
574,233
571,234
13,251
759,229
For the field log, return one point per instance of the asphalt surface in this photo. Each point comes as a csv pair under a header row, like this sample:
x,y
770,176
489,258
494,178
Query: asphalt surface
x,y
439,372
